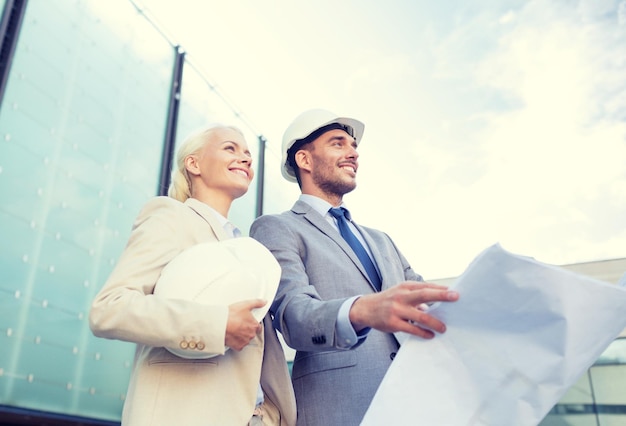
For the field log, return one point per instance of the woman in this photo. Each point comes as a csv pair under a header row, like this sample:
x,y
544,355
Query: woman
x,y
213,168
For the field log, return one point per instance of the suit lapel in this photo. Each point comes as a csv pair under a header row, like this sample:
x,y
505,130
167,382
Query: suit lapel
x,y
314,218
205,213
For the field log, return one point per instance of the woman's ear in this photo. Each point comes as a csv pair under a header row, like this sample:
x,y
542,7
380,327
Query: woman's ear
x,y
192,166
303,160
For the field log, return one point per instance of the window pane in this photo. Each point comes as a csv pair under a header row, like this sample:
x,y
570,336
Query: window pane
x,y
201,105
81,134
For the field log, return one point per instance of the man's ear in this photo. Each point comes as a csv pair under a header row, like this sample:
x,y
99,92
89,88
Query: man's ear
x,y
192,166
303,160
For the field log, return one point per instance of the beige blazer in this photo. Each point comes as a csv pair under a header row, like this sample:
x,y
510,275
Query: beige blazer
x,y
165,389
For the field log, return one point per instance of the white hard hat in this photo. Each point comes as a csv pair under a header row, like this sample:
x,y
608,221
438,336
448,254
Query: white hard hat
x,y
307,123
219,273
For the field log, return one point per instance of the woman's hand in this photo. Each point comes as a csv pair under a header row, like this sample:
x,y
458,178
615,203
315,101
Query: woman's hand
x,y
241,326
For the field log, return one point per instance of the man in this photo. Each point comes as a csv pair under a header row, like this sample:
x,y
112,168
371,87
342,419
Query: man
x,y
338,306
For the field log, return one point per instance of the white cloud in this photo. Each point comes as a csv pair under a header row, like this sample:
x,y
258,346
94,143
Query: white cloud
x,y
485,121
507,17
554,152
544,175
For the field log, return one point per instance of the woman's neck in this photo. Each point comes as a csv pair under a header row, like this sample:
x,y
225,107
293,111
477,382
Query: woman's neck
x,y
216,200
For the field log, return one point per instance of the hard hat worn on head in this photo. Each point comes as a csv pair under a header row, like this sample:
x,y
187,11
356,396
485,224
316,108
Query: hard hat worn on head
x,y
307,123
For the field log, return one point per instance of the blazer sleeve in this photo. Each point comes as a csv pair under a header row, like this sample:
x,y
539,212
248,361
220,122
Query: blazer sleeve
x,y
125,308
306,321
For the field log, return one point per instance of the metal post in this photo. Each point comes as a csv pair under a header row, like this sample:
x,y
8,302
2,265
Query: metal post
x,y
260,181
10,25
593,397
172,122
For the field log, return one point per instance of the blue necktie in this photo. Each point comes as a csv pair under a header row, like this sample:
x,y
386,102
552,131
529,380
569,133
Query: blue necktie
x,y
340,214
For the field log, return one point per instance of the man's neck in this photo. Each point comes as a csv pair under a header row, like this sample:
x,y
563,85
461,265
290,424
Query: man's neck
x,y
332,199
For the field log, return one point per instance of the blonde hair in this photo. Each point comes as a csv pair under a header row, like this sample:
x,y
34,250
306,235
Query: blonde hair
x,y
180,186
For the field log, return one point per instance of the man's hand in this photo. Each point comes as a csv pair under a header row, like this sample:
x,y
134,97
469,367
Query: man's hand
x,y
241,326
401,308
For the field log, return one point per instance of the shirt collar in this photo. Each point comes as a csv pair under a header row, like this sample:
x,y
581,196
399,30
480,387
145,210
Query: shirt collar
x,y
319,205
204,206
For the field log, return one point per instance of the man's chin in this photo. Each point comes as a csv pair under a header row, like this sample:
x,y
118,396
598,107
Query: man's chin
x,y
338,186
351,188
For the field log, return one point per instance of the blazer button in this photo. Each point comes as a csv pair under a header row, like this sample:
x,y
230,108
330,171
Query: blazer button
x,y
318,340
192,344
392,355
184,344
200,346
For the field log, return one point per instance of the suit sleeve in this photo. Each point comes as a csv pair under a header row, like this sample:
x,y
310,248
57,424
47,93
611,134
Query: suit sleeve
x,y
307,322
125,308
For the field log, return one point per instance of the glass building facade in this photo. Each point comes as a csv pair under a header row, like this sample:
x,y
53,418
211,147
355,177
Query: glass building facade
x,y
92,108
94,99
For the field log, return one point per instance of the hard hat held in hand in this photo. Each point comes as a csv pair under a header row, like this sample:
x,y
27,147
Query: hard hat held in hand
x,y
220,273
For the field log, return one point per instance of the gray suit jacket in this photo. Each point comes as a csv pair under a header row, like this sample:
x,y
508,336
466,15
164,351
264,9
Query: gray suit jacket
x,y
333,386
165,389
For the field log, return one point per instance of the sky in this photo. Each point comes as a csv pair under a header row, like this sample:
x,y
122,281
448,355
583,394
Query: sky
x,y
486,121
